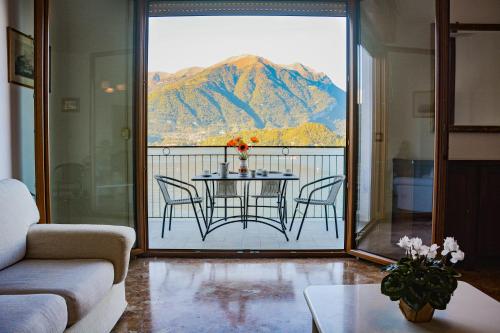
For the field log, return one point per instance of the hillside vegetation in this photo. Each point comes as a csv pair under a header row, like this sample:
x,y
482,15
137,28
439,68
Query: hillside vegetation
x,y
309,134
243,93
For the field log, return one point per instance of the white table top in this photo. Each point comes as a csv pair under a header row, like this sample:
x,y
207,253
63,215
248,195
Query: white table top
x,y
363,308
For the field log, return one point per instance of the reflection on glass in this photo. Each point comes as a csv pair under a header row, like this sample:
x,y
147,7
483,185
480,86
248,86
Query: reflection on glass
x,y
396,124
91,118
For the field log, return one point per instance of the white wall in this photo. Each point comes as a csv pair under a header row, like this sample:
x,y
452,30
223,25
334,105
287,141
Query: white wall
x,y
17,146
475,146
5,119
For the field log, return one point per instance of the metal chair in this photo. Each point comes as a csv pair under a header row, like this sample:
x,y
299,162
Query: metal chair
x,y
225,189
335,183
193,199
271,189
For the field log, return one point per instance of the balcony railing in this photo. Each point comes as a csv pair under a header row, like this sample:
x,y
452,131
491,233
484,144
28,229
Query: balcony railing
x,y
309,163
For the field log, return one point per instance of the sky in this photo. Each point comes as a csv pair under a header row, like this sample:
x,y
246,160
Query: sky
x,y
317,42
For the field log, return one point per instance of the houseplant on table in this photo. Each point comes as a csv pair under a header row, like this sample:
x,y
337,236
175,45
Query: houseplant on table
x,y
243,151
422,280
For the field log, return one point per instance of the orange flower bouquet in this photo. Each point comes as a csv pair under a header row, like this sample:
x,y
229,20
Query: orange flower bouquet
x,y
243,150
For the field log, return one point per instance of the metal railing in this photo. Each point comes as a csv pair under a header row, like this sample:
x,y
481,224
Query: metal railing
x,y
309,163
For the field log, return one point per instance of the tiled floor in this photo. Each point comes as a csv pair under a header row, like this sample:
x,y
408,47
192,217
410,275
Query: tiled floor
x,y
185,235
230,295
242,295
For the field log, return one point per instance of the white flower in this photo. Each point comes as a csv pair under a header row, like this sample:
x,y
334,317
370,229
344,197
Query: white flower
x,y
414,254
432,251
404,243
449,245
423,251
416,243
457,256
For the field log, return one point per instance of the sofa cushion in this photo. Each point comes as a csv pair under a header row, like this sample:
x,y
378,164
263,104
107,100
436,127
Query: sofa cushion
x,y
18,212
33,313
82,283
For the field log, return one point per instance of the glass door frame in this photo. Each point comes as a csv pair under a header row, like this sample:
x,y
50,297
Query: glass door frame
x,y
41,91
442,19
42,57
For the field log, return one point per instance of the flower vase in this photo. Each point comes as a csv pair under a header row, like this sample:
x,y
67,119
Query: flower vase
x,y
243,170
421,316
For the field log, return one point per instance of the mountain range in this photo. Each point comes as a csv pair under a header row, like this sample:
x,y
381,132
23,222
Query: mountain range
x,y
245,92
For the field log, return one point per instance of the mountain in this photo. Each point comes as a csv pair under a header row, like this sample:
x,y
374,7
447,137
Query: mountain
x,y
240,93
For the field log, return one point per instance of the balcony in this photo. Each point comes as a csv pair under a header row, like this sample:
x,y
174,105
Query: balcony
x,y
308,163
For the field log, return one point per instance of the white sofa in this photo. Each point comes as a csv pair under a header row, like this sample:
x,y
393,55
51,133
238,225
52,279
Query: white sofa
x,y
58,278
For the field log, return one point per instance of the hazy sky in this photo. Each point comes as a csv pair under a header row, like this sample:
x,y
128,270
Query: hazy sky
x,y
317,42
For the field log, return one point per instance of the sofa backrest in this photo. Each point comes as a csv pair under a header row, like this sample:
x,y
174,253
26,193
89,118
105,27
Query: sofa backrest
x,y
17,212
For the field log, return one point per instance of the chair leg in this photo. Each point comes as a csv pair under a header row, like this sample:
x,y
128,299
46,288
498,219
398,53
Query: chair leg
x,y
285,211
163,224
326,217
293,218
198,221
170,218
335,215
303,219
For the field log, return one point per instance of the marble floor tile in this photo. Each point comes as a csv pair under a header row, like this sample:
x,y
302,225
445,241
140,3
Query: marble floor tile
x,y
242,295
230,295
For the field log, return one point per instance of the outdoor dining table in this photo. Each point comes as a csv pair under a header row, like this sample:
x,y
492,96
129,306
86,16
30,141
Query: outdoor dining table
x,y
278,224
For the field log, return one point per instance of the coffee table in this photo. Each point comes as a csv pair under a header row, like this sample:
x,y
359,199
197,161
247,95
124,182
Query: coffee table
x,y
362,308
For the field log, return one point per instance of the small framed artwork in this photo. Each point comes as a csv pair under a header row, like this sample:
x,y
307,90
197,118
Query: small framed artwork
x,y
423,104
70,105
21,58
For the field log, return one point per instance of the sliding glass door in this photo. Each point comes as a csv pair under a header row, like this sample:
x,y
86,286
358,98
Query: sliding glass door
x,y
90,112
394,131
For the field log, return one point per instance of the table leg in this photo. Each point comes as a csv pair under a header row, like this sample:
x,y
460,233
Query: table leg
x,y
247,201
282,196
314,327
209,197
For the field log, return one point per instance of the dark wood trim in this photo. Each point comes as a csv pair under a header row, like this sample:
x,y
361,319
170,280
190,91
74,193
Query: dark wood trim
x,y
441,120
246,254
140,103
352,123
454,27
42,180
474,129
471,212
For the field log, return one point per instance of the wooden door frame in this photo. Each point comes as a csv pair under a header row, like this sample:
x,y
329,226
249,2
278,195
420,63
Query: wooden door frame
x,y
41,92
442,18
140,106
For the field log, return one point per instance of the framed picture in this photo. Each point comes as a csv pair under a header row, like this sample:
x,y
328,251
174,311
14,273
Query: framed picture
x,y
423,104
70,104
21,58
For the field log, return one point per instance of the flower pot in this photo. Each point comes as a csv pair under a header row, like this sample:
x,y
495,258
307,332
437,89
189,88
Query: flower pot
x,y
243,170
421,316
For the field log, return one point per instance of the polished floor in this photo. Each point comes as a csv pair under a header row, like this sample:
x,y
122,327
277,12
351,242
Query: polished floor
x,y
243,295
185,235
230,295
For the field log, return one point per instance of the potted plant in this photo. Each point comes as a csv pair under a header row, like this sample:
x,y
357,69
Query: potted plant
x,y
422,280
243,151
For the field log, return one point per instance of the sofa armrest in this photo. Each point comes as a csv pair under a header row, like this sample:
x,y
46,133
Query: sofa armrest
x,y
59,241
